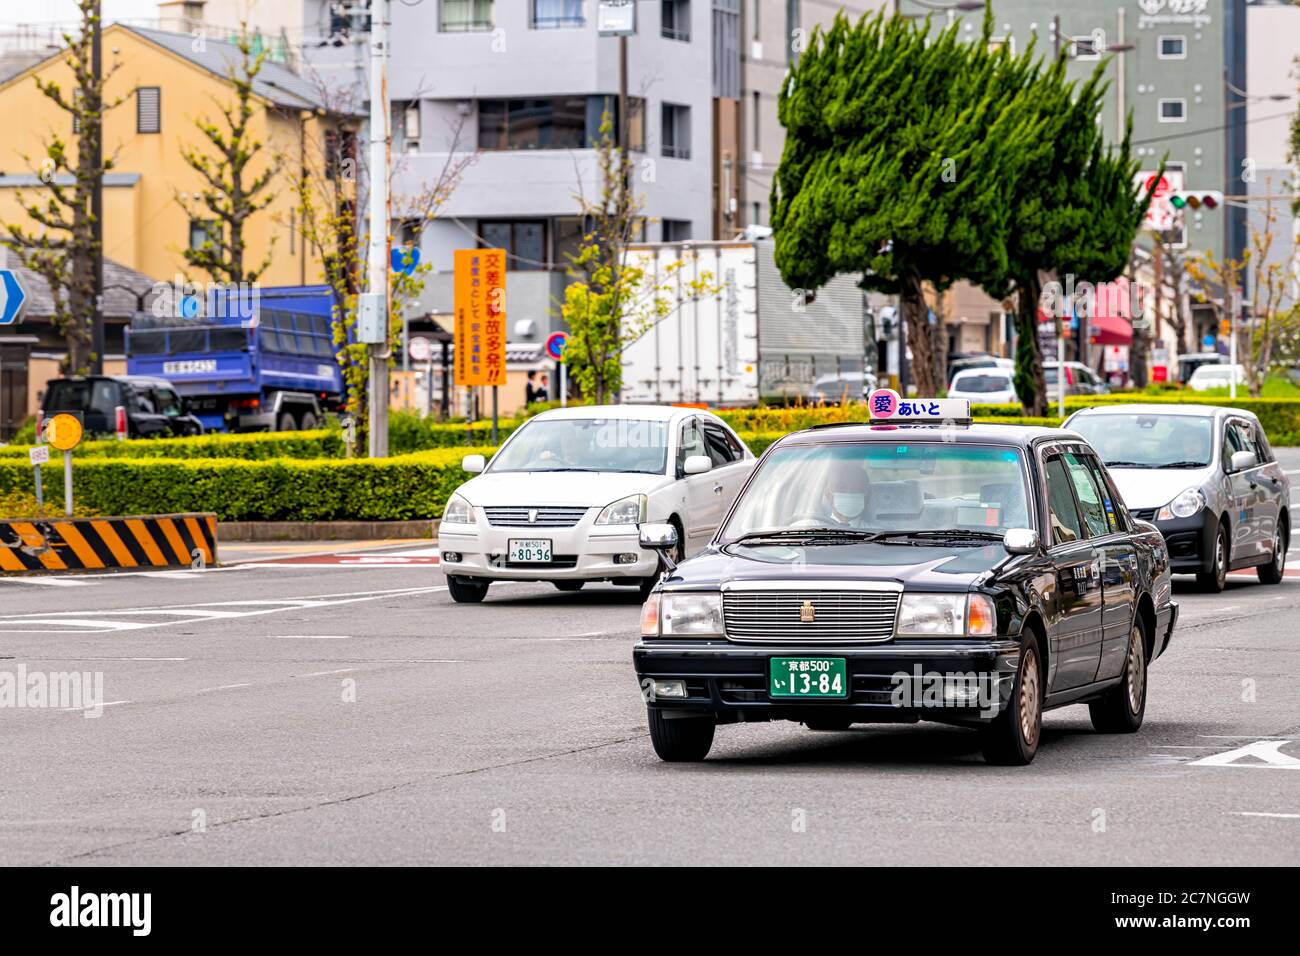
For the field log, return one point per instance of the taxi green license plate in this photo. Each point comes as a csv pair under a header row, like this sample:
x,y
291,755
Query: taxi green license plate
x,y
808,677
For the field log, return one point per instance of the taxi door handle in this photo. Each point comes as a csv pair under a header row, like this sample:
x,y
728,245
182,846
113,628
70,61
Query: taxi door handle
x,y
717,489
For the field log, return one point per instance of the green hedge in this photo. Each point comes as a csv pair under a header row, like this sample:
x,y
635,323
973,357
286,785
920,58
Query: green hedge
x,y
255,446
405,487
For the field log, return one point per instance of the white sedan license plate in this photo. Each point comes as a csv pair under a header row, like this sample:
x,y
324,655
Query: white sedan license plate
x,y
530,550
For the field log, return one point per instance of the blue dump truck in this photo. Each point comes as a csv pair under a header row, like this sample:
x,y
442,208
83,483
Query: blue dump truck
x,y
244,360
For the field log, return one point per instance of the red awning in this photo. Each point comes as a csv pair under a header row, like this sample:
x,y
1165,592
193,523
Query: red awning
x,y
1110,323
1110,330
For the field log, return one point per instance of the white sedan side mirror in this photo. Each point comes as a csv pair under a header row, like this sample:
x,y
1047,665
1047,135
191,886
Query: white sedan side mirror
x,y
473,464
697,464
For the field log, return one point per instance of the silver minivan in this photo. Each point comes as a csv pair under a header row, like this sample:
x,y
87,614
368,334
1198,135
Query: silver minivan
x,y
1205,476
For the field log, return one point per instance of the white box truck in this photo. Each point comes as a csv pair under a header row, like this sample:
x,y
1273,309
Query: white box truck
x,y
752,338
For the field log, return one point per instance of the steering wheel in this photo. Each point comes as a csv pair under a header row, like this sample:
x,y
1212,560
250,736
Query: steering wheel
x,y
811,519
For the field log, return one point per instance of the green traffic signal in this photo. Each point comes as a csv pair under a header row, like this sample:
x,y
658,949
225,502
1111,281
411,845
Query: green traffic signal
x,y
1178,202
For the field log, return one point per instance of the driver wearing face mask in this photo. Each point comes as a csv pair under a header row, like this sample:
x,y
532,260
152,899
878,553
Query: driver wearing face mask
x,y
846,493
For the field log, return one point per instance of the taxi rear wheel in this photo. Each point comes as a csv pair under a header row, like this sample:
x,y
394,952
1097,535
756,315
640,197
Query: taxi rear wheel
x,y
1121,709
466,590
682,739
1011,738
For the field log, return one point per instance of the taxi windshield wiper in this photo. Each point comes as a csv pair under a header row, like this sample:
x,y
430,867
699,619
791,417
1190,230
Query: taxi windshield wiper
x,y
1183,464
778,534
946,533
1129,464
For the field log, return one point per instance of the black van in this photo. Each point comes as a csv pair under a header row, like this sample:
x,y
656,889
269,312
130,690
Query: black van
x,y
152,406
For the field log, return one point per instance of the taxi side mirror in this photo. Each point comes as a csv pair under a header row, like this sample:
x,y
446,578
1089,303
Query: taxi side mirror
x,y
473,464
661,538
1021,541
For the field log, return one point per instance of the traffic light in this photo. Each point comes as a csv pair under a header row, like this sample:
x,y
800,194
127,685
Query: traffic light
x,y
1205,198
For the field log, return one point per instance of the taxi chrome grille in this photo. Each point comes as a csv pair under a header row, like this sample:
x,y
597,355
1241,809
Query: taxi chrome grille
x,y
844,615
524,516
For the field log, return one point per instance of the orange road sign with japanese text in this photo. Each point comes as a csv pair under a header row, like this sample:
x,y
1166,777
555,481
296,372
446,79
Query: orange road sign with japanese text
x,y
480,316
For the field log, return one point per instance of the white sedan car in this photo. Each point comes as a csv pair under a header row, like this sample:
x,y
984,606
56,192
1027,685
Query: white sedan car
x,y
561,500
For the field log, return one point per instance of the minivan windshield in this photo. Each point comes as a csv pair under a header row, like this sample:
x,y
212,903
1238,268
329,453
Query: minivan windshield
x,y
586,444
81,395
921,488
1148,441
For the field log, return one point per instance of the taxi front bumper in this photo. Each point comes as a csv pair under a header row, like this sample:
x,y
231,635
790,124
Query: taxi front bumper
x,y
888,683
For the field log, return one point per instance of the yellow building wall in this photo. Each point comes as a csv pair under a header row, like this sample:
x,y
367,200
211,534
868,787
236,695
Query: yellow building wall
x,y
144,227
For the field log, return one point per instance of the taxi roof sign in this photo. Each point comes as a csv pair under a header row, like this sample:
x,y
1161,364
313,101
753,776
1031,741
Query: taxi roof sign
x,y
886,405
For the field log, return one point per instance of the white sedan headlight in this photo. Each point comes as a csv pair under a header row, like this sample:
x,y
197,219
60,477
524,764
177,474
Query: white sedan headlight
x,y
629,510
458,511
932,615
692,613
1185,505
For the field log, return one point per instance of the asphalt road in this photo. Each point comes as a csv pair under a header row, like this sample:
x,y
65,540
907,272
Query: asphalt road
x,y
342,710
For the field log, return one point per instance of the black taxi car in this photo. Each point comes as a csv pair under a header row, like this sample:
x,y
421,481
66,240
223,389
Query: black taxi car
x,y
915,567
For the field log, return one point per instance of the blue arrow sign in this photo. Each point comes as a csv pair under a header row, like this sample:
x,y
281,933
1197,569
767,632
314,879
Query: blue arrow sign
x,y
404,258
12,297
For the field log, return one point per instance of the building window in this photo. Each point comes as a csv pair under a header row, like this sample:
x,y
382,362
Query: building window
x,y
758,120
754,8
1172,48
598,106
406,124
1173,110
676,131
203,231
523,240
756,214
676,230
558,122
466,16
675,19
148,110
558,14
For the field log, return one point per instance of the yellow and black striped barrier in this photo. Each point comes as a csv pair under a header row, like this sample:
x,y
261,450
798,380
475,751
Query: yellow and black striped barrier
x,y
98,544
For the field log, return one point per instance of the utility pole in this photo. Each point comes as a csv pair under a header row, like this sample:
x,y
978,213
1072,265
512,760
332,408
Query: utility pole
x,y
96,102
377,259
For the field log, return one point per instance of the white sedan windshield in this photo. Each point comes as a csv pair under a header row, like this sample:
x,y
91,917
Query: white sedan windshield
x,y
885,486
586,444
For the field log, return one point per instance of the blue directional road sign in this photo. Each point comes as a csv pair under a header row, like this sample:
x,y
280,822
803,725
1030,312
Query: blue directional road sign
x,y
404,258
12,297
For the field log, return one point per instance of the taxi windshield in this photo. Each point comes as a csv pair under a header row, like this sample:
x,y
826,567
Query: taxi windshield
x,y
926,488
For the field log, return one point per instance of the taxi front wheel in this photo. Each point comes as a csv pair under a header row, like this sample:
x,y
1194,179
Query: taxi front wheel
x,y
682,739
1011,738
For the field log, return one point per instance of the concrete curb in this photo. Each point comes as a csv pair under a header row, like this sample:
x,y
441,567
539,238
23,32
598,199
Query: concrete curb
x,y
324,530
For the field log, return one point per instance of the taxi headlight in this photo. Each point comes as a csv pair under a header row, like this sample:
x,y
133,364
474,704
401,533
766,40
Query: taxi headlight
x,y
694,613
1188,503
931,615
458,511
629,510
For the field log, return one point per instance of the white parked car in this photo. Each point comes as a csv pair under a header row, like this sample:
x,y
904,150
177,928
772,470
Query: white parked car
x,y
561,500
1216,376
984,386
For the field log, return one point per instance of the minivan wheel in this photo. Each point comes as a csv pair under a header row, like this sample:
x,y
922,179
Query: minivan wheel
x,y
1272,572
1121,709
466,590
1011,738
1216,579
682,739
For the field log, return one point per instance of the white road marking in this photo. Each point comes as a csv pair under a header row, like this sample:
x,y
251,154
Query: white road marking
x,y
208,690
1276,816
312,637
345,670
196,613
1263,754
46,582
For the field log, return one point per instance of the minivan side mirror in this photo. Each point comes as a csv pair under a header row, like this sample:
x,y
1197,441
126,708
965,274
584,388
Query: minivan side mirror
x,y
1243,460
473,464
1021,541
697,464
